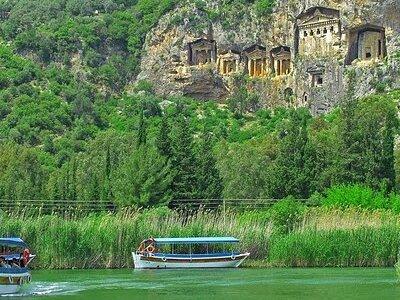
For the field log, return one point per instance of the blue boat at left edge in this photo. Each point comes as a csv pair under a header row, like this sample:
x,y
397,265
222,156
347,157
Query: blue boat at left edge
x,y
15,257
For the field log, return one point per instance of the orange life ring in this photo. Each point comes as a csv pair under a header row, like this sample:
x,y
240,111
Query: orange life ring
x,y
150,248
26,255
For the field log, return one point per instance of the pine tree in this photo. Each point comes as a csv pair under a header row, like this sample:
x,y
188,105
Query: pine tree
x,y
291,177
163,141
209,182
142,130
367,133
387,157
183,162
144,179
349,166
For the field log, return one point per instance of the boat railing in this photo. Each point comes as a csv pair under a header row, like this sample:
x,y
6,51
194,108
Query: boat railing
x,y
197,255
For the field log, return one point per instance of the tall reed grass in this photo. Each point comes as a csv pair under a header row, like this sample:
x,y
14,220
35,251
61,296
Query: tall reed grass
x,y
106,241
360,247
316,237
331,237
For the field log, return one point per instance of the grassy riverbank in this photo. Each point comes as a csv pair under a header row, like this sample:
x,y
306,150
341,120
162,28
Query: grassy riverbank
x,y
362,247
339,238
106,241
320,236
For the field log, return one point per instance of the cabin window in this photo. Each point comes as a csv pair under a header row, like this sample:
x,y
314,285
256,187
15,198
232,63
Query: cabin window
x,y
305,33
319,81
332,29
311,32
325,30
318,31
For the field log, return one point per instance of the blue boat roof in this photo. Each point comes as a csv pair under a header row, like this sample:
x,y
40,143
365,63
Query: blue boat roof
x,y
13,242
13,270
196,240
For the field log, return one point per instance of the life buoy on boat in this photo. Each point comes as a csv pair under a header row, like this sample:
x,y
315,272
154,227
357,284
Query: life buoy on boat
x,y
26,255
150,248
233,257
164,259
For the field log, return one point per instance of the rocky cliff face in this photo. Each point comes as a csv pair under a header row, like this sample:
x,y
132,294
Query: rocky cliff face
x,y
331,48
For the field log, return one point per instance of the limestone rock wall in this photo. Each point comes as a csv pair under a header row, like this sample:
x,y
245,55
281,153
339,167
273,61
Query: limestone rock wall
x,y
318,79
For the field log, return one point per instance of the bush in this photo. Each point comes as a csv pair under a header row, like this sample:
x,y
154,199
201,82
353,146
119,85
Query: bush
x,y
394,202
355,196
264,7
286,214
145,86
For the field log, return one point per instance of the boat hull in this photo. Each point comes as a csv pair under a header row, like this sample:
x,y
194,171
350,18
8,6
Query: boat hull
x,y
9,289
11,283
164,262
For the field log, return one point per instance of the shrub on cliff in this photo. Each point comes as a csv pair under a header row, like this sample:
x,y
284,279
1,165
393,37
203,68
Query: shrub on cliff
x,y
264,7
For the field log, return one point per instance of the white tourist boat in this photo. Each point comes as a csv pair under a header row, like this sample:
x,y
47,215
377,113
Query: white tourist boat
x,y
149,255
14,260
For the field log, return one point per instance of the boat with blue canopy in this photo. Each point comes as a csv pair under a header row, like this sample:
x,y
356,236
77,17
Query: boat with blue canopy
x,y
190,252
15,257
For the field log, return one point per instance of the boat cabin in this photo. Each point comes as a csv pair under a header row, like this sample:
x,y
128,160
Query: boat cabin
x,y
14,253
199,246
195,252
14,259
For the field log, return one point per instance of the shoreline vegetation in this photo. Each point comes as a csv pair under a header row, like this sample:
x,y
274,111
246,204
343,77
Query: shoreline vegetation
x,y
288,234
75,128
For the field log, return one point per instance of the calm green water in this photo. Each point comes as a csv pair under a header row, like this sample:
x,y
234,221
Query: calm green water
x,y
214,284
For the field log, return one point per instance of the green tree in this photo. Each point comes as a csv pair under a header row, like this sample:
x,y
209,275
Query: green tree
x,y
209,182
247,169
98,164
163,141
142,130
183,161
367,130
62,185
143,180
322,153
22,176
291,178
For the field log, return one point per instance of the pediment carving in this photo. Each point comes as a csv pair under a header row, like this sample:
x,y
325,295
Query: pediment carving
x,y
317,19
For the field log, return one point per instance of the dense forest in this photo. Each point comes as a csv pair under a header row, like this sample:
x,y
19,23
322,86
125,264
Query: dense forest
x,y
74,126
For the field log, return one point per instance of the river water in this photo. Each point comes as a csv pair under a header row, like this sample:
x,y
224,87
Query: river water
x,y
228,284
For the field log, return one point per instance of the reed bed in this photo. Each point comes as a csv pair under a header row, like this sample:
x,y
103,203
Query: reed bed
x,y
322,237
361,247
106,241
323,218
330,237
